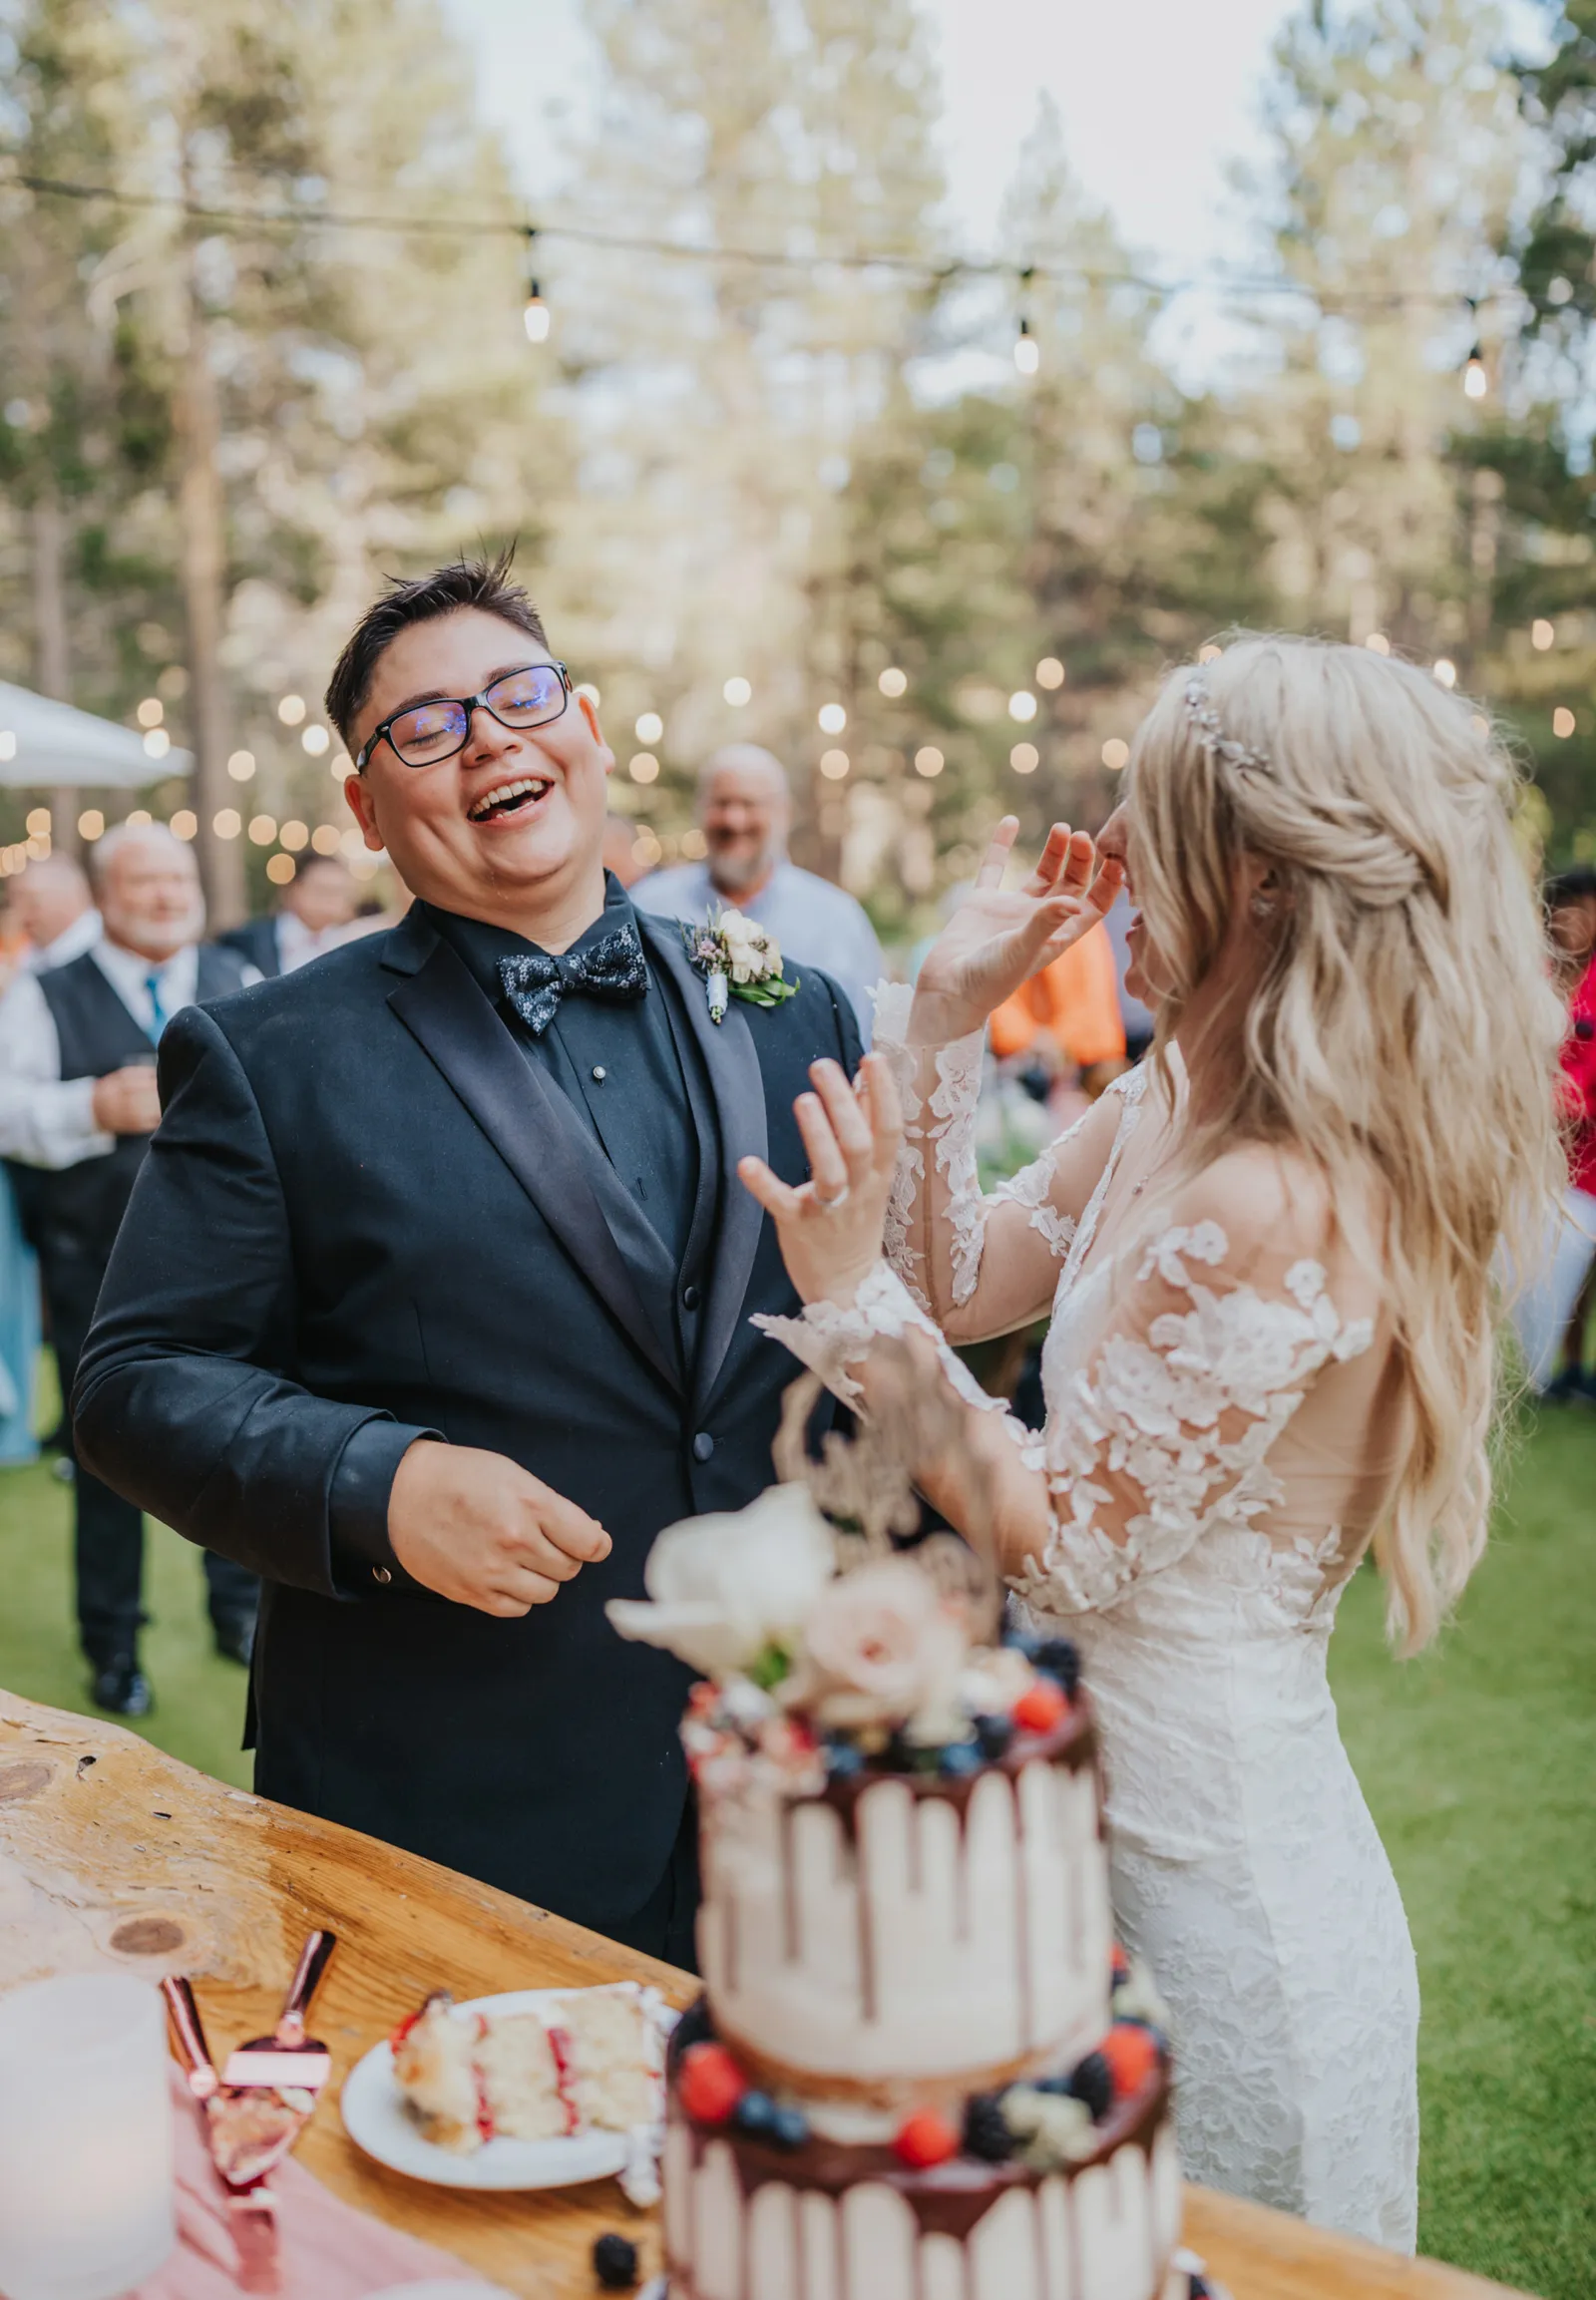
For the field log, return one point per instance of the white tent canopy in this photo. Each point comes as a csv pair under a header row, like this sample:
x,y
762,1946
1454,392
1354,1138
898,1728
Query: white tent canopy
x,y
44,744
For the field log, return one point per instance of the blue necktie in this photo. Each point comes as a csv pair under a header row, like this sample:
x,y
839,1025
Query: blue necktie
x,y
157,1013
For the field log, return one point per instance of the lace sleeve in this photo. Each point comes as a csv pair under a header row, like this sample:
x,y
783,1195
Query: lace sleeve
x,y
1169,1422
831,1340
983,1264
1221,1321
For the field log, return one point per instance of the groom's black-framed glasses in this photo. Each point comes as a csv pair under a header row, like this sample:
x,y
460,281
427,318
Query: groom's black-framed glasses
x,y
428,733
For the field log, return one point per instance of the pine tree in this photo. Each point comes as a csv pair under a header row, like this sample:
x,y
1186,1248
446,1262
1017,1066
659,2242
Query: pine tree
x,y
70,425
1029,556
717,400
1396,152
1539,450
312,406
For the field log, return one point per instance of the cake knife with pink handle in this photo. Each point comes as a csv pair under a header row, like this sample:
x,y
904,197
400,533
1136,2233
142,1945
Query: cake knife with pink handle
x,y
289,2059
244,2145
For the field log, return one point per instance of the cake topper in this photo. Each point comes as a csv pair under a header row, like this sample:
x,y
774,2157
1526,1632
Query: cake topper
x,y
804,1606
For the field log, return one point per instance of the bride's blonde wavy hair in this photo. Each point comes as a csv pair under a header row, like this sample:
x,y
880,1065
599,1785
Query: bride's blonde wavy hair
x,y
1402,1019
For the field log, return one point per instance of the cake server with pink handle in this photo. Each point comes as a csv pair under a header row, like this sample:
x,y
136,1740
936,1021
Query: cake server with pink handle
x,y
289,2059
249,2129
243,2146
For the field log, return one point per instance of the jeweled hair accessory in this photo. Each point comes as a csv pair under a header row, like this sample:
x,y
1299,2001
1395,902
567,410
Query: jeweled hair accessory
x,y
1211,733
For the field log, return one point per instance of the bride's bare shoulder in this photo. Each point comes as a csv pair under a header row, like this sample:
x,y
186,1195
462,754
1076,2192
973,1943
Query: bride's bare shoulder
x,y
1268,1200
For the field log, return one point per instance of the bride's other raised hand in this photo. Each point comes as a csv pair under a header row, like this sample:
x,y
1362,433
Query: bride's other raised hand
x,y
1000,936
829,1226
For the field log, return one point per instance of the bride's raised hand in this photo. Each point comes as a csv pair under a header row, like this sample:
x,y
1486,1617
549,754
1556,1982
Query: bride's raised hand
x,y
829,1226
999,937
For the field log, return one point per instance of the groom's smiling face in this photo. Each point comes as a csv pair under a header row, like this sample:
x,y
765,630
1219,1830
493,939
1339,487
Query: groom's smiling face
x,y
517,813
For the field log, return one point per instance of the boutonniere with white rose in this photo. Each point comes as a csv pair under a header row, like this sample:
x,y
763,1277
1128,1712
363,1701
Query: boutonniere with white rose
x,y
737,959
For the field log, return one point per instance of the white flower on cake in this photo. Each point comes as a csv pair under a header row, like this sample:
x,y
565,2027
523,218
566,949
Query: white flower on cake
x,y
882,1646
726,1587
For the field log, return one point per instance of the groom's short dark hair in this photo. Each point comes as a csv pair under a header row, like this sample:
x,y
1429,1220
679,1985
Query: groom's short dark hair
x,y
468,582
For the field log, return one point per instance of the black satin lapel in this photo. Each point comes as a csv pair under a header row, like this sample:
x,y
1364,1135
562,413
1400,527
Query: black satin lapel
x,y
528,1124
732,1061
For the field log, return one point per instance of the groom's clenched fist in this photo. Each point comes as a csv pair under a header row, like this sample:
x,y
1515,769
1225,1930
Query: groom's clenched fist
x,y
478,1528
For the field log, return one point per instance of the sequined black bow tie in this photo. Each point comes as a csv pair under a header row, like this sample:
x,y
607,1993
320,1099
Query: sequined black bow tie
x,y
612,967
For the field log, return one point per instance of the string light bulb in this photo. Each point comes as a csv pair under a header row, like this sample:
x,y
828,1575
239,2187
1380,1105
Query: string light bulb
x,y
1476,383
1027,353
537,319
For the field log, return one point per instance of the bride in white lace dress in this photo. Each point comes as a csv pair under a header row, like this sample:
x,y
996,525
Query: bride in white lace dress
x,y
1267,1260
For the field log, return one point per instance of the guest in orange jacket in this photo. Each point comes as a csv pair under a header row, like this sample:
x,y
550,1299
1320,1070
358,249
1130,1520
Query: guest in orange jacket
x,y
1067,1017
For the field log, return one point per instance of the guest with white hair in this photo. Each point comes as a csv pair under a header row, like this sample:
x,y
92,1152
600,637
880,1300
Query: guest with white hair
x,y
53,905
745,812
78,1105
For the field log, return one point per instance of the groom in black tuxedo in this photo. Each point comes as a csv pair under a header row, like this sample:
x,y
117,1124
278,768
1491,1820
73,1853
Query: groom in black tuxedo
x,y
432,1304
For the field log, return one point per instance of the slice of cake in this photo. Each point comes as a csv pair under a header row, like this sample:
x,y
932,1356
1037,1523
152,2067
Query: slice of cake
x,y
615,2057
589,2060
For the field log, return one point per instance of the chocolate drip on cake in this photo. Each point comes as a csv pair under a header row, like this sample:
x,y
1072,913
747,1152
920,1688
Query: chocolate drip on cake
x,y
1072,1745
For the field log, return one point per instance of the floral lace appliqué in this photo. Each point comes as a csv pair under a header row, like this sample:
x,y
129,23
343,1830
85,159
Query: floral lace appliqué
x,y
1168,1431
892,1004
1032,1187
828,1340
952,1109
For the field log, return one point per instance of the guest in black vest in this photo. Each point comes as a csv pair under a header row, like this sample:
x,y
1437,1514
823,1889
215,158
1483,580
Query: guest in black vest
x,y
433,1302
78,1102
314,915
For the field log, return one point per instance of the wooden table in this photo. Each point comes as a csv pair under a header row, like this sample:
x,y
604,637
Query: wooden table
x,y
113,1855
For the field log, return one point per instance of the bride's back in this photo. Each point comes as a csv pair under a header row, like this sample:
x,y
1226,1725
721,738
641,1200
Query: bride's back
x,y
1330,1470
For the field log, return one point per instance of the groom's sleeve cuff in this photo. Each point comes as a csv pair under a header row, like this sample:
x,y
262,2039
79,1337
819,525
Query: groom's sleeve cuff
x,y
357,1507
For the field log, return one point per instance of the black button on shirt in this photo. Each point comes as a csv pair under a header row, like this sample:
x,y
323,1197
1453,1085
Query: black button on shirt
x,y
615,1063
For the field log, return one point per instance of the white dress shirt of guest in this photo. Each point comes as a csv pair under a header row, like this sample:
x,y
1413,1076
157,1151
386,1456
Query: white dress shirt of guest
x,y
745,812
52,905
315,914
154,916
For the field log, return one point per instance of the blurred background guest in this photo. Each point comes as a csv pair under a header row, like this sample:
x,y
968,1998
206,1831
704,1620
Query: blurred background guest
x,y
1064,1024
52,905
52,908
1551,1311
314,915
745,812
19,1268
78,1104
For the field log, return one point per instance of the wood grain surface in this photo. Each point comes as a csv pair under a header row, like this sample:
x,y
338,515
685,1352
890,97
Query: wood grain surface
x,y
115,1856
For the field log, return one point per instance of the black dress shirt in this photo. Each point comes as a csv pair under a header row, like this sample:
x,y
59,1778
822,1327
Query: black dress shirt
x,y
622,1067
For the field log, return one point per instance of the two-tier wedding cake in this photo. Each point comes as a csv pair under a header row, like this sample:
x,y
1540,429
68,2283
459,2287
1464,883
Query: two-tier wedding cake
x,y
920,2069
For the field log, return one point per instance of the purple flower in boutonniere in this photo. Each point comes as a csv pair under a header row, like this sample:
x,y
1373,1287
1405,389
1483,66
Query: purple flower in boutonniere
x,y
737,959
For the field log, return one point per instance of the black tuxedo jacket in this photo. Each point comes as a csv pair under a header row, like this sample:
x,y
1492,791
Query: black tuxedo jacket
x,y
363,1206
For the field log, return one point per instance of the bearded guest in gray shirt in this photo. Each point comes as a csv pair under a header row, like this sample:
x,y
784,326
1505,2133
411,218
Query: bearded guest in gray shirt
x,y
745,812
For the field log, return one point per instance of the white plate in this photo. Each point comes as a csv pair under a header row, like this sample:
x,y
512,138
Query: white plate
x,y
376,2119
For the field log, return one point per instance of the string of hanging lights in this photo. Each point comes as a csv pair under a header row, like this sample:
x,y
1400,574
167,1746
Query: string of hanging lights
x,y
537,316
538,319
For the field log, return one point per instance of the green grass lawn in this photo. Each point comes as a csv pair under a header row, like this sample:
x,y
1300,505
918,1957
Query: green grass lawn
x,y
1479,1762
